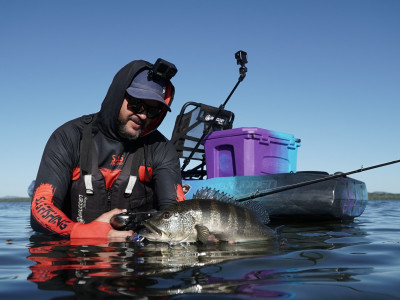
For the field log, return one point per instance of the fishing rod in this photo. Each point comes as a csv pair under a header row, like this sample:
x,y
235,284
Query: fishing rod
x,y
241,58
301,184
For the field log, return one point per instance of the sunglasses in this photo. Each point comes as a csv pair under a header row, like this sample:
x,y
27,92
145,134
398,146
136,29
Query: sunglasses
x,y
138,106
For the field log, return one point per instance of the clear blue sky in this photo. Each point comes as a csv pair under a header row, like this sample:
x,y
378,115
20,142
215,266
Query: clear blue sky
x,y
326,71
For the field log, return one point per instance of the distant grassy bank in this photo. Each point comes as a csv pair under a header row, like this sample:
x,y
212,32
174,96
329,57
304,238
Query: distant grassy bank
x,y
371,196
15,199
383,196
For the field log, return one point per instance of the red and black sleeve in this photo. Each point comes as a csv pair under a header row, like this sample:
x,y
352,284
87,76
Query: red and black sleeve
x,y
61,155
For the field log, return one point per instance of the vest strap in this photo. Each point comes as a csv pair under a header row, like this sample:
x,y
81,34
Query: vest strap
x,y
131,184
86,156
88,184
137,158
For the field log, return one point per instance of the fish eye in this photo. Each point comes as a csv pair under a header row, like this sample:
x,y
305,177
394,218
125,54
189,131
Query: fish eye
x,y
166,215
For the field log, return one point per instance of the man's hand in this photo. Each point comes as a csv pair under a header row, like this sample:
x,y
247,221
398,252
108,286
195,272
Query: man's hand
x,y
100,229
114,235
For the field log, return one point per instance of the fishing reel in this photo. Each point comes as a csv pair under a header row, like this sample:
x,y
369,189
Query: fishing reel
x,y
130,220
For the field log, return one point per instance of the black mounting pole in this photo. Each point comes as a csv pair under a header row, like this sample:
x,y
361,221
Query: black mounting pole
x,y
301,184
241,59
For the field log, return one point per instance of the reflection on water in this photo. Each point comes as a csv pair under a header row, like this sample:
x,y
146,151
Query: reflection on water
x,y
354,260
258,269
329,235
125,267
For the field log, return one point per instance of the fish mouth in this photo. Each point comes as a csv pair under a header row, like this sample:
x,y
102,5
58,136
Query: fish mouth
x,y
160,235
152,228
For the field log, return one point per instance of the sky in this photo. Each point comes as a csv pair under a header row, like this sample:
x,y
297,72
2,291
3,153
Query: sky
x,y
327,72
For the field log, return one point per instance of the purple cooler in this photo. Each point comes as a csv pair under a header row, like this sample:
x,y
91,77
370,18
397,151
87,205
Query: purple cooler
x,y
250,151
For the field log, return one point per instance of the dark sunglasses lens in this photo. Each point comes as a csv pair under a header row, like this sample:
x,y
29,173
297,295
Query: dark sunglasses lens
x,y
138,106
135,105
152,111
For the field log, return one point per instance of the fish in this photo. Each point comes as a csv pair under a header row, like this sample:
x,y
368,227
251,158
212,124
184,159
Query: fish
x,y
217,218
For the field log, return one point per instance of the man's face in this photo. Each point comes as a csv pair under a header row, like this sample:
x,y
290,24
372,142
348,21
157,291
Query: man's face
x,y
131,123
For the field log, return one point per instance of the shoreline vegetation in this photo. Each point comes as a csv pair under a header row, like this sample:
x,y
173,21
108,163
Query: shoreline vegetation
x,y
383,196
371,196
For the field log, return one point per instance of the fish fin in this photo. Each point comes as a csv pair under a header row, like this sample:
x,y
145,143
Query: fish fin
x,y
257,209
253,206
202,233
213,194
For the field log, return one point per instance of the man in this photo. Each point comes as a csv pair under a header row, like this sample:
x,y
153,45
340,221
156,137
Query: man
x,y
106,163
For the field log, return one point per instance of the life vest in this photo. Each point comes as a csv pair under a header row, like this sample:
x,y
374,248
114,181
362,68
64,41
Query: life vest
x,y
89,196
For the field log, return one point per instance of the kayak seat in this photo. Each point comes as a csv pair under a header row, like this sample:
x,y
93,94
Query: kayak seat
x,y
194,122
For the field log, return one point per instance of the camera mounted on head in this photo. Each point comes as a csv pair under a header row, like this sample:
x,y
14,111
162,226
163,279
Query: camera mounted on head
x,y
162,70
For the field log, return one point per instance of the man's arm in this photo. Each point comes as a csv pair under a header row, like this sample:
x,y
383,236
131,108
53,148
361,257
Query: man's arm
x,y
52,182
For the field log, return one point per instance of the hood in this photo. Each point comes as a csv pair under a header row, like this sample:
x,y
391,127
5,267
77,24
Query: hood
x,y
107,119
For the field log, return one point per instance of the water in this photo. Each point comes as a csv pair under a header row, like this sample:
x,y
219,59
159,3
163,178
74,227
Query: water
x,y
333,260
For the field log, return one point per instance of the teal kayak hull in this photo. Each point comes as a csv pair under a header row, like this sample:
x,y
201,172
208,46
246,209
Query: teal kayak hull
x,y
340,198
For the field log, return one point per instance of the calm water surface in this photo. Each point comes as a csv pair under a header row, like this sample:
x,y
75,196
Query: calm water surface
x,y
354,260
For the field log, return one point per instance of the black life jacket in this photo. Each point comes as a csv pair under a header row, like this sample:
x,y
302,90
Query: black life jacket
x,y
89,196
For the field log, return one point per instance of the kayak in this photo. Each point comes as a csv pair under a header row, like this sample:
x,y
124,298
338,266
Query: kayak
x,y
256,164
341,198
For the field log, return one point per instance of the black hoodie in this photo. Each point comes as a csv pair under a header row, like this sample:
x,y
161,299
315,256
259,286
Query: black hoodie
x,y
60,164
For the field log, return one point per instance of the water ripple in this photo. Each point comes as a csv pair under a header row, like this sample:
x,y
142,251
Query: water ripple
x,y
332,260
